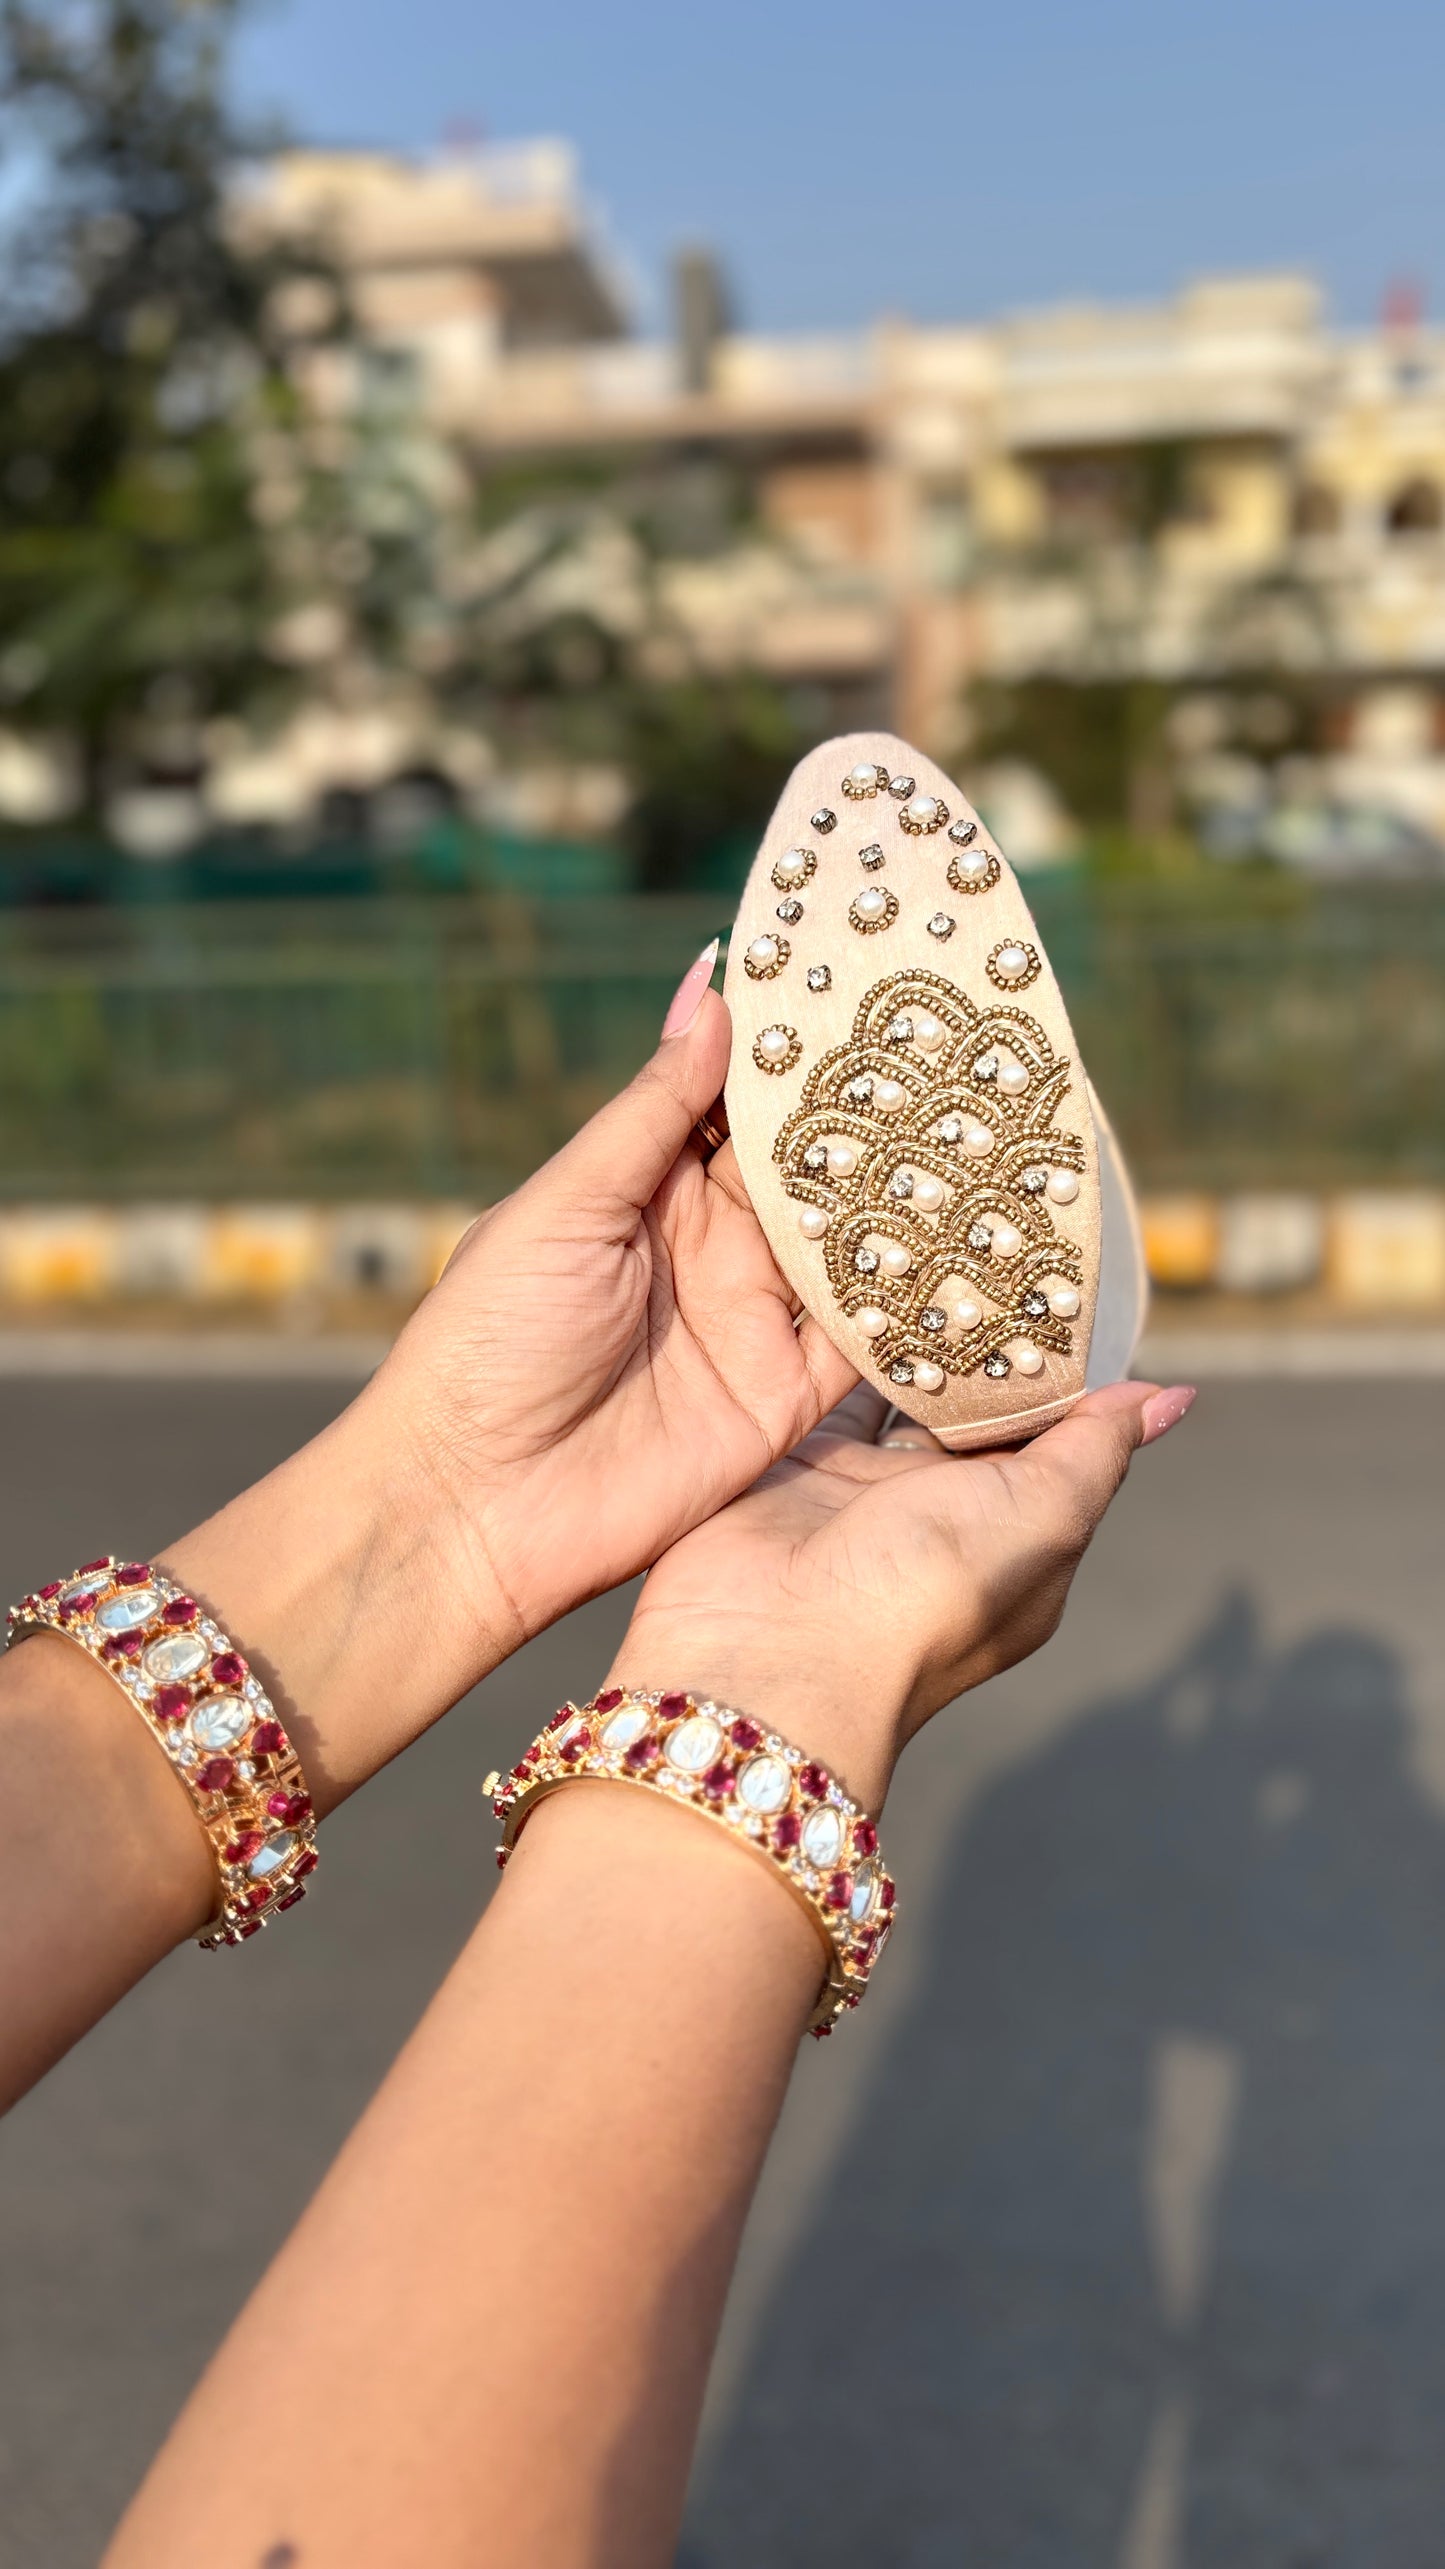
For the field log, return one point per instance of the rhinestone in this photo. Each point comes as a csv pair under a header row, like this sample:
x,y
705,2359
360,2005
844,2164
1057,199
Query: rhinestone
x,y
621,1729
900,787
996,1366
963,833
819,977
245,1770
901,1184
940,925
858,1091
823,820
985,1068
900,1371
951,1129
980,1238
220,1721
928,1377
1035,1306
271,1857
694,1744
871,857
901,1031
122,1614
815,1156
178,1655
1034,1181
865,1885
790,912
764,1784
823,1838
865,1262
933,1318
79,1588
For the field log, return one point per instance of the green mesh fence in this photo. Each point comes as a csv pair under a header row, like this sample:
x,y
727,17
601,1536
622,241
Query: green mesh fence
x,y
1271,1036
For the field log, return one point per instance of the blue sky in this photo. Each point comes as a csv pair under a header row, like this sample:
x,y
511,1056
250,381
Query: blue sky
x,y
915,156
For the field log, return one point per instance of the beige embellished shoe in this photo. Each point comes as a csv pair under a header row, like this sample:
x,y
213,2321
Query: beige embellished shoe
x,y
908,1108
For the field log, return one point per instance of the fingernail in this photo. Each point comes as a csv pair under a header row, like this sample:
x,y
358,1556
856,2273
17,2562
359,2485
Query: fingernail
x,y
1165,1410
687,998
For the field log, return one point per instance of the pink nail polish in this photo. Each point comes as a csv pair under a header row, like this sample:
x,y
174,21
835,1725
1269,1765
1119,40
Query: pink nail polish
x,y
1165,1410
687,998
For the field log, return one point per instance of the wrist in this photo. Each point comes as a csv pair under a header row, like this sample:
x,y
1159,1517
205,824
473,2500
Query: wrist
x,y
849,1714
349,1580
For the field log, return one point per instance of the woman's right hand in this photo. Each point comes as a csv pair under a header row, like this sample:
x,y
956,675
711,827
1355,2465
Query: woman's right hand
x,y
860,1586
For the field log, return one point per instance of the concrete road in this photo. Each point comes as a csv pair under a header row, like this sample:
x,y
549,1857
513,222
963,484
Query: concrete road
x,y
1111,2235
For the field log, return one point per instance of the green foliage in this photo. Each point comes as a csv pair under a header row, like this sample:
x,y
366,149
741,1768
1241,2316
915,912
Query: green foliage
x,y
145,373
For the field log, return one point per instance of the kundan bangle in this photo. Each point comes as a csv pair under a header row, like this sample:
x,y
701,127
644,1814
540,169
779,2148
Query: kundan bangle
x,y
771,1798
211,1716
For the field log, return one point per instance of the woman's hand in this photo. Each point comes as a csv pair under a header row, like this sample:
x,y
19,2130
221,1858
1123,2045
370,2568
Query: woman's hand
x,y
860,1586
611,1354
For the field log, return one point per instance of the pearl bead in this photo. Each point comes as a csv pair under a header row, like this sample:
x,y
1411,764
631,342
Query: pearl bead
x,y
842,1159
793,866
870,903
967,1314
774,1042
812,1222
1011,963
927,1032
928,1193
896,1260
1007,1240
1063,1186
928,1377
888,1094
923,810
1012,1078
1063,1301
1028,1359
864,777
977,1141
872,1323
971,866
763,950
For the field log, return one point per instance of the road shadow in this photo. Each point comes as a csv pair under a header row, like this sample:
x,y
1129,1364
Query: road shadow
x,y
1136,2257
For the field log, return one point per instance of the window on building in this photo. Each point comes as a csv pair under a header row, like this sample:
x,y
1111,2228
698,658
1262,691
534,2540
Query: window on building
x,y
1416,508
1316,510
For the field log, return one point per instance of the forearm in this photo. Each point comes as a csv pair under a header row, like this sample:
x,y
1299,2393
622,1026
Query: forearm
x,y
490,2334
341,1583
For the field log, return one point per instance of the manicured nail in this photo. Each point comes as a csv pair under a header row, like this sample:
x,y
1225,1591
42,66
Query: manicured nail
x,y
687,998
1165,1410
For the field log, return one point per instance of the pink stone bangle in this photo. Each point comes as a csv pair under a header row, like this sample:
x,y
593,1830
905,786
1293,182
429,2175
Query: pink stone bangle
x,y
211,1717
772,1799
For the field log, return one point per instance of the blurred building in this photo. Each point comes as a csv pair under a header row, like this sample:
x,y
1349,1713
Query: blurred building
x,y
1212,486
